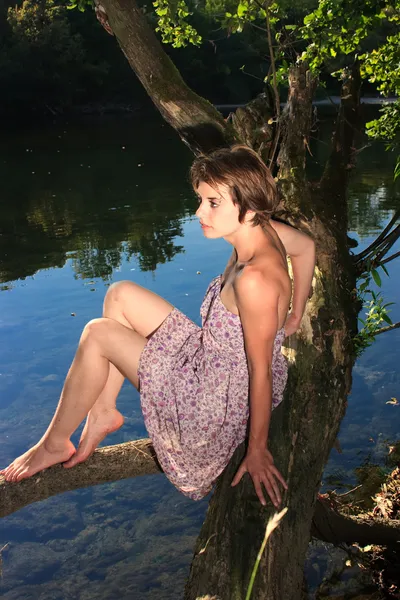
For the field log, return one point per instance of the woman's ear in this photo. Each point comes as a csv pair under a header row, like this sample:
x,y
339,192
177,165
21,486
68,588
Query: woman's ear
x,y
249,216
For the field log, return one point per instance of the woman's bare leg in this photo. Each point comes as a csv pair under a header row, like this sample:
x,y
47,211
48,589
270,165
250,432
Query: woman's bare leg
x,y
94,380
142,311
103,341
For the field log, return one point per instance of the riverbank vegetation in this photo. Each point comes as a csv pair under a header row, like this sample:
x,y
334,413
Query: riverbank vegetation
x,y
54,60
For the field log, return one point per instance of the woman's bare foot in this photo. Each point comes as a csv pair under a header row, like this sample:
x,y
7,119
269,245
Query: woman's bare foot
x,y
98,425
40,457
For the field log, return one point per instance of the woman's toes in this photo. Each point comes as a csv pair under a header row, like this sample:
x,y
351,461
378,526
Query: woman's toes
x,y
8,474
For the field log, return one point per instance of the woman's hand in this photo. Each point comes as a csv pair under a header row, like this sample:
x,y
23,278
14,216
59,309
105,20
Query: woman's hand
x,y
292,324
260,466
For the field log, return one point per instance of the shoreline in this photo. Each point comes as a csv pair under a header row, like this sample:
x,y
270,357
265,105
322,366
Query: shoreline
x,y
126,109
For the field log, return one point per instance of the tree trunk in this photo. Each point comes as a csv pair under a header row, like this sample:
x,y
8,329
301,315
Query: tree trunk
x,y
304,427
342,158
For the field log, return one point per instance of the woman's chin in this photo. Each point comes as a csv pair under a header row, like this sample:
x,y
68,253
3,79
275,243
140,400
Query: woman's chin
x,y
207,231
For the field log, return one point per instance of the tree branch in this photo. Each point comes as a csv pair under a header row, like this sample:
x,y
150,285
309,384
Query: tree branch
x,y
196,120
389,258
132,459
333,527
272,58
388,328
379,240
111,463
388,242
276,93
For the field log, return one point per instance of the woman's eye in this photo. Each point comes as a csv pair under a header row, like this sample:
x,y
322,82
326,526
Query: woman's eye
x,y
213,204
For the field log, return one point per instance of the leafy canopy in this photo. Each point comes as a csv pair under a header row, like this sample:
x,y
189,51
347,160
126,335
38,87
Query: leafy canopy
x,y
328,34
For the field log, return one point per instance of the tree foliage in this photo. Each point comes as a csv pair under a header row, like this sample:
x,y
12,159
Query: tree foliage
x,y
330,35
40,53
366,32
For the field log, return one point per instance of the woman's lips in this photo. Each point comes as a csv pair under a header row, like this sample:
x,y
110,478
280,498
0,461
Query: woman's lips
x,y
204,226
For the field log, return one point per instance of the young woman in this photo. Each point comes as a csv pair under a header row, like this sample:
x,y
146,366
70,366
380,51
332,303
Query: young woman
x,y
198,385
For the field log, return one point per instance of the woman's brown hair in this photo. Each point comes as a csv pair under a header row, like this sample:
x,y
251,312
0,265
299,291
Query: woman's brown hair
x,y
249,180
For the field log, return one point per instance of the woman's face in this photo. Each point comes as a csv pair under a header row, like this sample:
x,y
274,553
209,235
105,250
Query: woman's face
x,y
218,216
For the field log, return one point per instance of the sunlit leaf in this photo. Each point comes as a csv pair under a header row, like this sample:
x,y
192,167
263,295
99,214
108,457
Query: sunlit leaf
x,y
376,277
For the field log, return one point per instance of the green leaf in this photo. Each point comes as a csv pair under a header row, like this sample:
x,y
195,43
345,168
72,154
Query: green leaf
x,y
387,319
376,277
396,173
385,270
241,9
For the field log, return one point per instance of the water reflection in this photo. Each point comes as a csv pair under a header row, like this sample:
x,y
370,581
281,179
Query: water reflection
x,y
97,200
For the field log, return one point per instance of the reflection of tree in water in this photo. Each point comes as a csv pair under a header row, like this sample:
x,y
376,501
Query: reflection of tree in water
x,y
97,222
372,199
157,247
372,196
93,258
48,236
90,260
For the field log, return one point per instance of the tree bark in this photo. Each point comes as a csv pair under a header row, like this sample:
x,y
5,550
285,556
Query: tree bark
x,y
196,120
342,158
112,463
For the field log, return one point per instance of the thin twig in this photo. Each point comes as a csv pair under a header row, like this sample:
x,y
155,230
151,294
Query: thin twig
x,y
276,94
358,150
272,58
258,27
388,328
350,491
251,75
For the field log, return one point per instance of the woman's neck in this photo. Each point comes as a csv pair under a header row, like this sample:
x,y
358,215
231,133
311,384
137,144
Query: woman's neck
x,y
248,241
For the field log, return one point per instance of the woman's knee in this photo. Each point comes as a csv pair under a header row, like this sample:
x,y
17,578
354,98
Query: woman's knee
x,y
118,293
94,330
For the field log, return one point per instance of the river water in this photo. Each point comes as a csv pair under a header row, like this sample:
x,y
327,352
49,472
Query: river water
x,y
88,203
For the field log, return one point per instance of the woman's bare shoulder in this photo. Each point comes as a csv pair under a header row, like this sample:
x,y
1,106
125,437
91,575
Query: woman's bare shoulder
x,y
257,278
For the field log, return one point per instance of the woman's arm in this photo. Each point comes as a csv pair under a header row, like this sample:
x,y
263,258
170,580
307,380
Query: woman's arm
x,y
301,249
257,301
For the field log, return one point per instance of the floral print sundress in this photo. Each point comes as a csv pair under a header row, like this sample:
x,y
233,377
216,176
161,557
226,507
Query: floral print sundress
x,y
194,388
